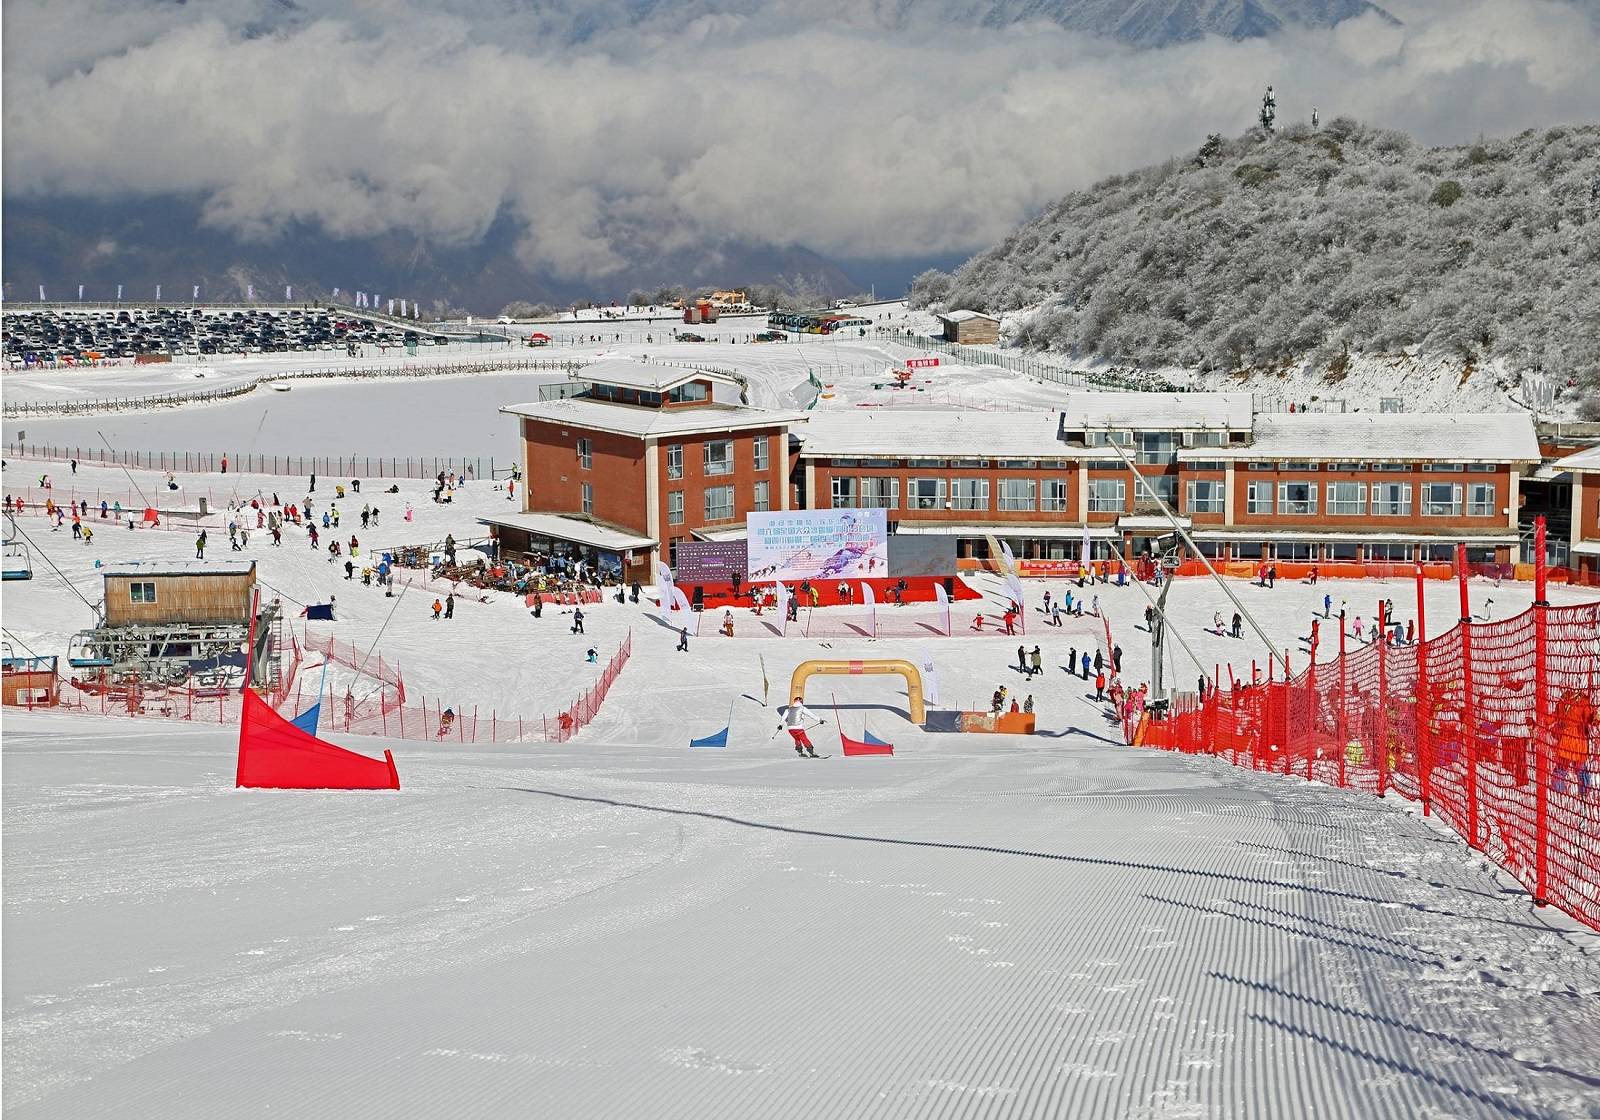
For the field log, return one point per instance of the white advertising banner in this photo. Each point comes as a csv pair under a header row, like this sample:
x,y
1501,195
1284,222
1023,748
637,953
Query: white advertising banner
x,y
818,544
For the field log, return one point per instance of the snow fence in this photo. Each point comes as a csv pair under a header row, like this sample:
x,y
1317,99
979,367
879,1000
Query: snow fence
x,y
1491,726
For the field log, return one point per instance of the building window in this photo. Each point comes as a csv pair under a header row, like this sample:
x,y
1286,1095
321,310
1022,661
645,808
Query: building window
x,y
1249,550
760,445
1347,499
924,463
674,460
1204,497
762,501
588,498
1389,552
969,493
1297,466
880,492
1346,467
1017,464
844,492
1258,498
1392,468
1391,499
1165,487
1441,499
693,391
1207,465
585,454
1054,499
1445,468
142,592
1106,439
1257,466
674,507
719,456
1157,448
925,493
1480,499
1298,498
719,503
1019,493
1342,550
1294,550
1206,439
1107,495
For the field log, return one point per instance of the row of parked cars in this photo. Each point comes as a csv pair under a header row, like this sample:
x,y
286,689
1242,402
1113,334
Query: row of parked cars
x,y
79,336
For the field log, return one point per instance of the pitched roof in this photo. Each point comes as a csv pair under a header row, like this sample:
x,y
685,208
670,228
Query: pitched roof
x,y
647,376
1586,460
563,528
637,420
915,434
1453,437
964,316
1176,411
179,568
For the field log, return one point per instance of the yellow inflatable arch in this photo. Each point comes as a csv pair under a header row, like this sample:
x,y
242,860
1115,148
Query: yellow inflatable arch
x,y
913,678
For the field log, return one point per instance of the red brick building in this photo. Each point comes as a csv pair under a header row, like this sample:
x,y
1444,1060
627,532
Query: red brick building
x,y
1584,466
640,460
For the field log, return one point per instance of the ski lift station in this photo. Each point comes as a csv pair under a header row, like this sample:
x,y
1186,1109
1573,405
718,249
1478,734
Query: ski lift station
x,y
166,619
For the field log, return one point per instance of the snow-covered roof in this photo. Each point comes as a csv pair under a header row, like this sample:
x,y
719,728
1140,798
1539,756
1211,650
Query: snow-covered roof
x,y
964,316
1451,437
1586,460
179,568
1285,533
915,434
637,420
645,376
1161,411
1000,531
573,529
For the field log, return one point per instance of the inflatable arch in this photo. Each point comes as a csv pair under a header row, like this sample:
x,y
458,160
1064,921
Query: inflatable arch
x,y
913,677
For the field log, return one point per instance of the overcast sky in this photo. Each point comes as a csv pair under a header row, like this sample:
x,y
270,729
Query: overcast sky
x,y
821,122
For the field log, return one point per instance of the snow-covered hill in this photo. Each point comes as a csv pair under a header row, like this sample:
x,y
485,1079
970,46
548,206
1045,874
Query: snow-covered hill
x,y
1333,259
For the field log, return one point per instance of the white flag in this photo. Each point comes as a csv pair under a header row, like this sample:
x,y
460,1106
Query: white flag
x,y
664,589
1084,558
158,293
377,301
80,293
335,294
402,308
691,621
196,291
943,597
930,680
871,602
288,293
119,291
249,291
41,293
391,307
783,606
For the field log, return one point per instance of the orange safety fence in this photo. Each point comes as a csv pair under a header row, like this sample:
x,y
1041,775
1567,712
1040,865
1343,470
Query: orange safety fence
x,y
1491,726
581,712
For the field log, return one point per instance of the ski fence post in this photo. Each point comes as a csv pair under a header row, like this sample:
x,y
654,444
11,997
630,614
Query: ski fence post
x,y
1469,723
1383,712
1316,707
1422,703
1541,722
1344,705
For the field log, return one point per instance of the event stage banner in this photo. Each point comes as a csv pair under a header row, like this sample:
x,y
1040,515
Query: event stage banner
x,y
818,544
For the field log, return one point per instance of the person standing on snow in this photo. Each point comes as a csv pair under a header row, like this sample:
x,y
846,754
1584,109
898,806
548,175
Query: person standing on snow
x,y
795,718
1022,660
577,620
450,605
1035,663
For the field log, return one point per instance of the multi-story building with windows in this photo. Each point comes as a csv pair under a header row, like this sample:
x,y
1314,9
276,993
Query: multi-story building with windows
x,y
647,457
641,459
1584,467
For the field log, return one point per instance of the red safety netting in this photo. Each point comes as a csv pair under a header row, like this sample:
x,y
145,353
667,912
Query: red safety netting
x,y
275,754
1492,726
581,712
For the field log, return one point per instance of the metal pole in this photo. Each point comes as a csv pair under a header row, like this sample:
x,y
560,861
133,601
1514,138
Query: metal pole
x,y
1469,722
1344,702
1541,722
1421,693
1383,711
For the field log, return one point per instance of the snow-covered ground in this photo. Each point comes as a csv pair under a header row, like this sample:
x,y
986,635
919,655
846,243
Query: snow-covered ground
x,y
978,926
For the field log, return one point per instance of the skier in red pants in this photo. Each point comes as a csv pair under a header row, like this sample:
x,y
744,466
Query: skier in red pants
x,y
795,718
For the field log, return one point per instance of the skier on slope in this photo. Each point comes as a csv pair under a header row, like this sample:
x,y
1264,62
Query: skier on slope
x,y
795,718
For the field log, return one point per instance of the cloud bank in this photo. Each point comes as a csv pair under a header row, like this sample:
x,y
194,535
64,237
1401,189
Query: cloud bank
x,y
610,129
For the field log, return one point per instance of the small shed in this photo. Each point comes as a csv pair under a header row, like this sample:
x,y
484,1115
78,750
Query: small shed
x,y
207,592
29,682
970,328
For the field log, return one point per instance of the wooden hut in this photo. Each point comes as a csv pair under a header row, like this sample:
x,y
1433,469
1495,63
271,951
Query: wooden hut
x,y
970,328
205,592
